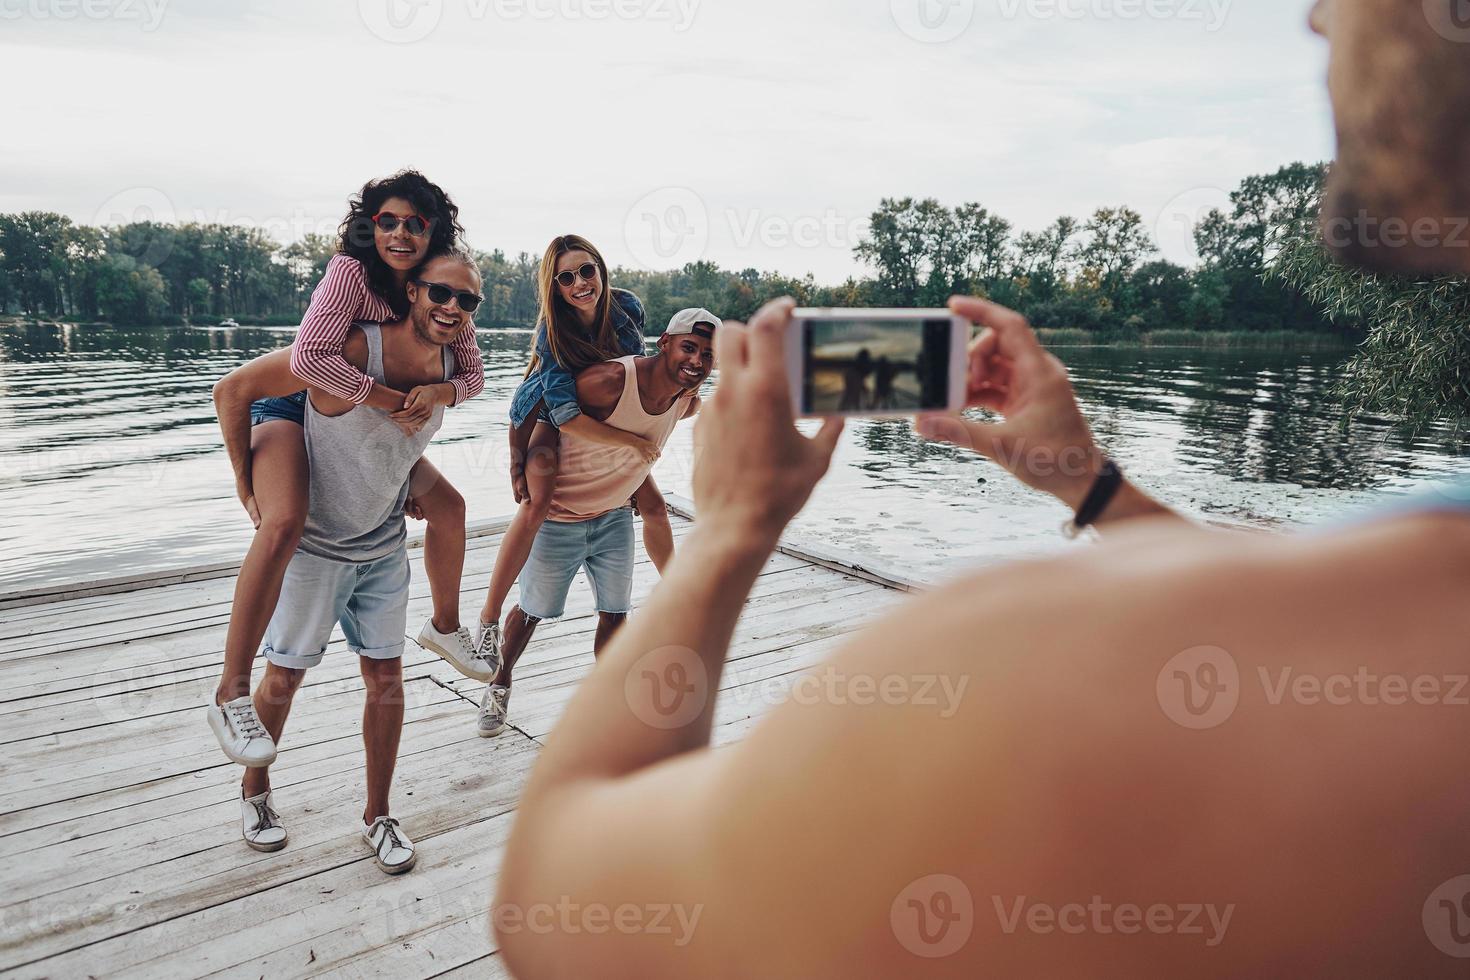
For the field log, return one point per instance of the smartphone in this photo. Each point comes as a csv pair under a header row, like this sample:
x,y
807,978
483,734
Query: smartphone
x,y
877,363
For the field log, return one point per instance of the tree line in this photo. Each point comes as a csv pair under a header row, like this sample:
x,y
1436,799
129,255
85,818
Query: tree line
x,y
1261,269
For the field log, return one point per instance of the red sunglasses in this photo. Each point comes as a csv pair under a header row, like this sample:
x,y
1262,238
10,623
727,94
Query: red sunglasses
x,y
388,222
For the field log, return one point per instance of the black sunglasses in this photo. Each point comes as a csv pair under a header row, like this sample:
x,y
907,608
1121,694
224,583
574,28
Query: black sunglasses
x,y
388,223
440,294
587,272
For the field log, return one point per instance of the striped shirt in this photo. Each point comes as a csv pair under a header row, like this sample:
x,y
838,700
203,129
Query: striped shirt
x,y
341,299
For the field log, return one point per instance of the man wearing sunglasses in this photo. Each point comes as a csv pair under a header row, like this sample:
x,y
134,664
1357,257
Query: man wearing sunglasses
x,y
590,524
352,565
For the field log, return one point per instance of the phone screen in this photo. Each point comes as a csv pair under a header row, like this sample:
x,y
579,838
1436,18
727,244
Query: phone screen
x,y
859,365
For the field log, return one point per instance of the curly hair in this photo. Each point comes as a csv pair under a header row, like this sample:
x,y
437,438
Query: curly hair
x,y
355,236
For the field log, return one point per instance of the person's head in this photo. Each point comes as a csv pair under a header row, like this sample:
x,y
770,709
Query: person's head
x,y
576,303
439,293
687,348
1400,83
393,225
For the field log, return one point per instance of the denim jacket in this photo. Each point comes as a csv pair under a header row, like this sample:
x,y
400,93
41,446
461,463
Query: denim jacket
x,y
555,386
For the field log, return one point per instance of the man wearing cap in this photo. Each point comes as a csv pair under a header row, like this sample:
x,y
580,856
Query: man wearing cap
x,y
590,523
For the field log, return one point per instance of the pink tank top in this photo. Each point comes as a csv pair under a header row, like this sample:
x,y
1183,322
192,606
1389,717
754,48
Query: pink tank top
x,y
595,479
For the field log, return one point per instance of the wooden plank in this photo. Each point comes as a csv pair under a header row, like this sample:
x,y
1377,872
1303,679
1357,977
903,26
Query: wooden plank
x,y
197,573
133,865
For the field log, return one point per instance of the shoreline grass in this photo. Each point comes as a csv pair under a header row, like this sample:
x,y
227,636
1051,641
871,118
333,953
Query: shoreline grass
x,y
1200,339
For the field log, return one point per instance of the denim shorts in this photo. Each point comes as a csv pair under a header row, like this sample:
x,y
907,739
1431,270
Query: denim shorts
x,y
603,546
370,600
291,408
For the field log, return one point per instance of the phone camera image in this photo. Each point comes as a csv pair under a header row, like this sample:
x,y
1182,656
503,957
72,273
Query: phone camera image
x,y
872,366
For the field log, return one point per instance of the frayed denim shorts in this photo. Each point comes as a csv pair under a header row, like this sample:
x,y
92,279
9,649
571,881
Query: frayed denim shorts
x,y
368,599
603,546
291,408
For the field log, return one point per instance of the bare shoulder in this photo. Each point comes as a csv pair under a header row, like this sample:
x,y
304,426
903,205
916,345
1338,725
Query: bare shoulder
x,y
601,385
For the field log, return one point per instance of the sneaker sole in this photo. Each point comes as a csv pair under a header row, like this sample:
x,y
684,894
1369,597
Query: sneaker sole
x,y
463,671
485,734
266,847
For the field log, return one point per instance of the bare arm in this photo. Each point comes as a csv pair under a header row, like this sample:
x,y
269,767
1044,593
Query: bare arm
x,y
268,376
1043,752
612,733
598,390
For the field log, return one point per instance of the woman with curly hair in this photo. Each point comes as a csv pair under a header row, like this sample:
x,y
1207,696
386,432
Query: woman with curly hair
x,y
393,227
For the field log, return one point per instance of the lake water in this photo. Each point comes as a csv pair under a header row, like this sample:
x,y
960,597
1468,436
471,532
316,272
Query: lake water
x,y
111,461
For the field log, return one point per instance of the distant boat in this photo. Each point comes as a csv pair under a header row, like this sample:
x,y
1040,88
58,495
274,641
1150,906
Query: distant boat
x,y
228,321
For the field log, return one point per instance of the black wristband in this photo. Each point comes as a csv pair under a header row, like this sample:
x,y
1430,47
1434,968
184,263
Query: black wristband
x,y
1104,489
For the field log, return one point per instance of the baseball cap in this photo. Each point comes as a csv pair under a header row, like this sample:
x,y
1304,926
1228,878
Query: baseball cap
x,y
696,321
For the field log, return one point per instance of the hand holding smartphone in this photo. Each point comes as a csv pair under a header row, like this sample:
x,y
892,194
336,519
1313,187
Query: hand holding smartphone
x,y
881,363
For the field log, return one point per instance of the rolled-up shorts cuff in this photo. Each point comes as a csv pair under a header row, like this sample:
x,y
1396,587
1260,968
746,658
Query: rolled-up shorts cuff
x,y
293,661
394,652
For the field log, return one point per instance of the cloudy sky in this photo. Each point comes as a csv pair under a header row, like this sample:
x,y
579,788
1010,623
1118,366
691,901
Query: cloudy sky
x,y
751,132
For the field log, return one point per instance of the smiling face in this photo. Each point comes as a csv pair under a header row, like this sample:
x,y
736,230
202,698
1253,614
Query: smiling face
x,y
398,248
688,359
1399,77
440,323
582,295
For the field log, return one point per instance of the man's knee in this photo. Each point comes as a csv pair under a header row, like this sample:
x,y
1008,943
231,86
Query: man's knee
x,y
281,533
382,673
612,621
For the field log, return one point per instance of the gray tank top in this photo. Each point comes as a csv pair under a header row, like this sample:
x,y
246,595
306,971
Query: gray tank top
x,y
360,463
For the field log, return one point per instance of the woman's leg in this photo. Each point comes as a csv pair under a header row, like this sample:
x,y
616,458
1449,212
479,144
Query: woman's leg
x,y
281,477
658,533
542,463
444,540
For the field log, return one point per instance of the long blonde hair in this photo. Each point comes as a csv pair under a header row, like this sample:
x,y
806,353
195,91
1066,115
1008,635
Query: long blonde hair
x,y
570,346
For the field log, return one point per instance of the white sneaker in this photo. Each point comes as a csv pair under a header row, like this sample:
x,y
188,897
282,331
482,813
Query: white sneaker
x,y
390,845
494,707
260,825
240,732
458,650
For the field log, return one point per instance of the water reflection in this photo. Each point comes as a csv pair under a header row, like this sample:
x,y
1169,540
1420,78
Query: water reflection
x,y
110,455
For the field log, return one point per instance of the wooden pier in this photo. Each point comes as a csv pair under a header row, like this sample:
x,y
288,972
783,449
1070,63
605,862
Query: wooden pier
x,y
118,811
